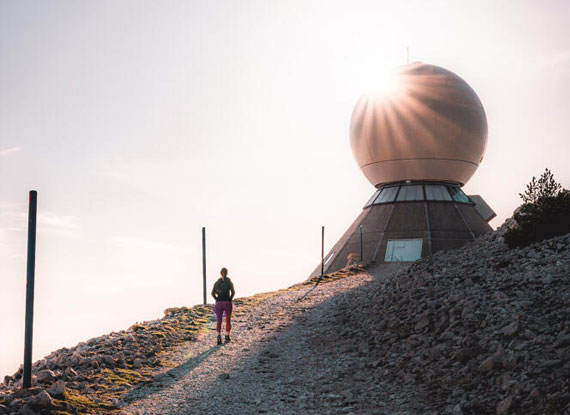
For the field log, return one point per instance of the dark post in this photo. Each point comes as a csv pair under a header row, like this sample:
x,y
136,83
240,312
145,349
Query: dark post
x,y
361,259
204,262
31,266
322,251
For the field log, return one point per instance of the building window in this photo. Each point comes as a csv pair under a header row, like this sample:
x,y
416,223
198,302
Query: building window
x,y
437,192
388,194
457,194
418,191
410,192
403,250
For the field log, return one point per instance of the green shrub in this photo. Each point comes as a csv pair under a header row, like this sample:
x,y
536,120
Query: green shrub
x,y
544,214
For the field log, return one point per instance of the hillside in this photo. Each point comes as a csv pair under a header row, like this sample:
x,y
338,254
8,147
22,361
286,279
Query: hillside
x,y
95,376
478,330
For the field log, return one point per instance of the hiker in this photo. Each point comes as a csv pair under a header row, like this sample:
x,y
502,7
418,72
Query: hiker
x,y
223,292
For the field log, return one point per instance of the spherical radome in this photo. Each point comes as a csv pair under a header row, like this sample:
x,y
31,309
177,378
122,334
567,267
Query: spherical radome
x,y
432,127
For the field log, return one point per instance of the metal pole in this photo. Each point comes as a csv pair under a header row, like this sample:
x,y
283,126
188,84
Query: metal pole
x,y
322,251
361,259
204,262
31,266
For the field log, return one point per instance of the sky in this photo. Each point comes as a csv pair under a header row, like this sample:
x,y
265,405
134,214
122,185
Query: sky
x,y
140,122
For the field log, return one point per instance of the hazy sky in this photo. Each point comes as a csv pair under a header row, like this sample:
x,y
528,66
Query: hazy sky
x,y
139,122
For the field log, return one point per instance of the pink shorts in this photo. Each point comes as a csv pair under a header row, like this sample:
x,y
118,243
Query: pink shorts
x,y
220,308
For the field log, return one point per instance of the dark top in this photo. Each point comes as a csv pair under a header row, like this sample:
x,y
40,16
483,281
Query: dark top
x,y
223,290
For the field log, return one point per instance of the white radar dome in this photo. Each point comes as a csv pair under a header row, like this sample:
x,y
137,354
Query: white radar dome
x,y
431,126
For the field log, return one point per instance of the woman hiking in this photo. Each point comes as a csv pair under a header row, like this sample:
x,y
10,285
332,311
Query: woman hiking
x,y
223,292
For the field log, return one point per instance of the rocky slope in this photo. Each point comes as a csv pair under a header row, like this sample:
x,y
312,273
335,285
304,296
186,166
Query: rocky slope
x,y
481,330
92,376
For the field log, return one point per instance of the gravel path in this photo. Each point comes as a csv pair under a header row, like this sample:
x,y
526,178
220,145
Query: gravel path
x,y
276,363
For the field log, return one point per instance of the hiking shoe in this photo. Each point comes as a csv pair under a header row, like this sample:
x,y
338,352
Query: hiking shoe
x,y
227,339
219,340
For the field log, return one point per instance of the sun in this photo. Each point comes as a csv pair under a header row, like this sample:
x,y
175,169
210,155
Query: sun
x,y
387,84
380,81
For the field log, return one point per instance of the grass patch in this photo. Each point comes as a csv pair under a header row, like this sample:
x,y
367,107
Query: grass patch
x,y
75,403
121,376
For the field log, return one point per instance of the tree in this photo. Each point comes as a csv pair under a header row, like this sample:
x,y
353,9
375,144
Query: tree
x,y
538,190
545,212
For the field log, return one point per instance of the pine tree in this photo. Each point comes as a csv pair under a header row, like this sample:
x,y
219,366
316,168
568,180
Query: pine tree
x,y
539,190
545,212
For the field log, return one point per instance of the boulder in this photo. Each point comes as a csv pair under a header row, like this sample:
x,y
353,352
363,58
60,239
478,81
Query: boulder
x,y
57,390
46,376
42,400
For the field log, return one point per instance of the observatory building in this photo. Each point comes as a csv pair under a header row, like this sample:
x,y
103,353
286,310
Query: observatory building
x,y
417,145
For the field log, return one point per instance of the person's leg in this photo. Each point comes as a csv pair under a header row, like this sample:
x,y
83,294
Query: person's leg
x,y
228,310
219,310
